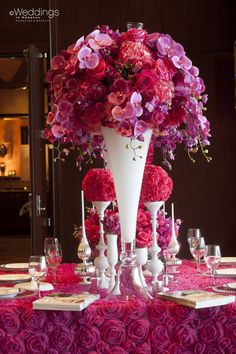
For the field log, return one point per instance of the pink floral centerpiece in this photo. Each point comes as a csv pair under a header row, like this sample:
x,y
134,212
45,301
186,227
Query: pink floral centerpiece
x,y
131,82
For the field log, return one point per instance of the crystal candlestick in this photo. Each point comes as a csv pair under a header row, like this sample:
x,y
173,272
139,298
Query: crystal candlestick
x,y
101,262
155,265
86,268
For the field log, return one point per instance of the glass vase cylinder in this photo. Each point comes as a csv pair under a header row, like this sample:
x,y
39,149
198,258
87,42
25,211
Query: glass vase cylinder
x,y
127,168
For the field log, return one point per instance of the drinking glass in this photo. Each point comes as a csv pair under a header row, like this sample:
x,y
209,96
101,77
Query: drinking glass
x,y
191,232
50,241
212,259
37,270
198,250
54,257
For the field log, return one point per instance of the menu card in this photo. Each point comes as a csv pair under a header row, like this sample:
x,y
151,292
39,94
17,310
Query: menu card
x,y
65,302
197,298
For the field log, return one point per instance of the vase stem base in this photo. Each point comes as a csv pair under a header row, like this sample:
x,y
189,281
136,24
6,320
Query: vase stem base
x,y
129,283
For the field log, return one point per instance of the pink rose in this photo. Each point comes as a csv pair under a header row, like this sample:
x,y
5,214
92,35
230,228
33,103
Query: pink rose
x,y
199,348
111,309
138,330
102,347
118,350
136,308
13,345
162,71
211,331
143,348
37,343
158,312
60,318
87,337
10,320
160,338
186,314
146,80
135,35
144,239
62,338
87,316
230,328
98,73
129,345
34,319
187,336
113,332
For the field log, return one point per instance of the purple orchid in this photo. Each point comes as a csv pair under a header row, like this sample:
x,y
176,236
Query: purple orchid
x,y
136,100
87,58
99,41
57,131
182,62
166,46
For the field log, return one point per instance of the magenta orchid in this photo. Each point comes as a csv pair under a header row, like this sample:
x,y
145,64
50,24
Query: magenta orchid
x,y
131,82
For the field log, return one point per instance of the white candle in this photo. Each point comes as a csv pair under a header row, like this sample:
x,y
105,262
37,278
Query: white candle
x,y
172,219
82,206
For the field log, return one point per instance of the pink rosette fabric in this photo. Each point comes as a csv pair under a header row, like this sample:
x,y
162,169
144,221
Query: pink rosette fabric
x,y
113,332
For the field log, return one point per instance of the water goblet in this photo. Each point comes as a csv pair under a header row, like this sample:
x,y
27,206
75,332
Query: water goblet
x,y
54,258
198,250
191,232
212,259
50,241
37,270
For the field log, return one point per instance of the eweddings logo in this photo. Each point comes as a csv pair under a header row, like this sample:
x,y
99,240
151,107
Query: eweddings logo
x,y
33,15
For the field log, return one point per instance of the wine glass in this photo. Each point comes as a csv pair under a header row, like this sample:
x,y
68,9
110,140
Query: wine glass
x,y
50,241
212,259
198,250
37,270
54,257
191,232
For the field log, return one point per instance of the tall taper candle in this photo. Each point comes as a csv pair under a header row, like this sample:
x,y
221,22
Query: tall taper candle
x,y
173,219
82,206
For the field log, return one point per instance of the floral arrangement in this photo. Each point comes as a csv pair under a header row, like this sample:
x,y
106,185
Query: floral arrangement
x,y
131,82
157,184
144,228
98,185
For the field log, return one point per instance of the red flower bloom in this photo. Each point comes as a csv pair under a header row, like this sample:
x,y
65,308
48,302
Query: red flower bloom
x,y
146,80
98,185
157,185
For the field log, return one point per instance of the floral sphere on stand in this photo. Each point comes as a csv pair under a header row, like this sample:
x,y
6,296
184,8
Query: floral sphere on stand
x,y
98,185
130,81
157,185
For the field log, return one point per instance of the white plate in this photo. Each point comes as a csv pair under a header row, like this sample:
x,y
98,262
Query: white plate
x,y
231,286
228,260
8,292
17,265
14,278
228,272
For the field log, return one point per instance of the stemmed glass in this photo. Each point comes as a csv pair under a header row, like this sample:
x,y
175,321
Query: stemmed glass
x,y
212,259
50,241
37,270
53,254
191,232
198,250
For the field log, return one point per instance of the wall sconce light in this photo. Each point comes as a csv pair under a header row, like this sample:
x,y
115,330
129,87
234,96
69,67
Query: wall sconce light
x,y
3,150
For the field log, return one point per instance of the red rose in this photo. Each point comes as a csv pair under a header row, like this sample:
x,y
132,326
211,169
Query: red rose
x,y
162,70
98,73
146,80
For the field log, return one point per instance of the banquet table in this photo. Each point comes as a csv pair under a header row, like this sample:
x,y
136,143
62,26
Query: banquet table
x,y
115,327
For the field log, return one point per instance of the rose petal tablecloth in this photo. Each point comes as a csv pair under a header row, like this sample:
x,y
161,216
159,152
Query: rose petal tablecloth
x,y
116,327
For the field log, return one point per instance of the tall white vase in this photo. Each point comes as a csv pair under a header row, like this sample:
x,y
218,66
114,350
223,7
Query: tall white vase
x,y
127,174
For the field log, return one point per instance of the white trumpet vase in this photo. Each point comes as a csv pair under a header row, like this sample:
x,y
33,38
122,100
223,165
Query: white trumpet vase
x,y
155,265
112,258
127,160
100,261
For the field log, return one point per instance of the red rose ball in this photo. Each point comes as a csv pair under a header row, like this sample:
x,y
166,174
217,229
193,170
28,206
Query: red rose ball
x,y
157,184
98,185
